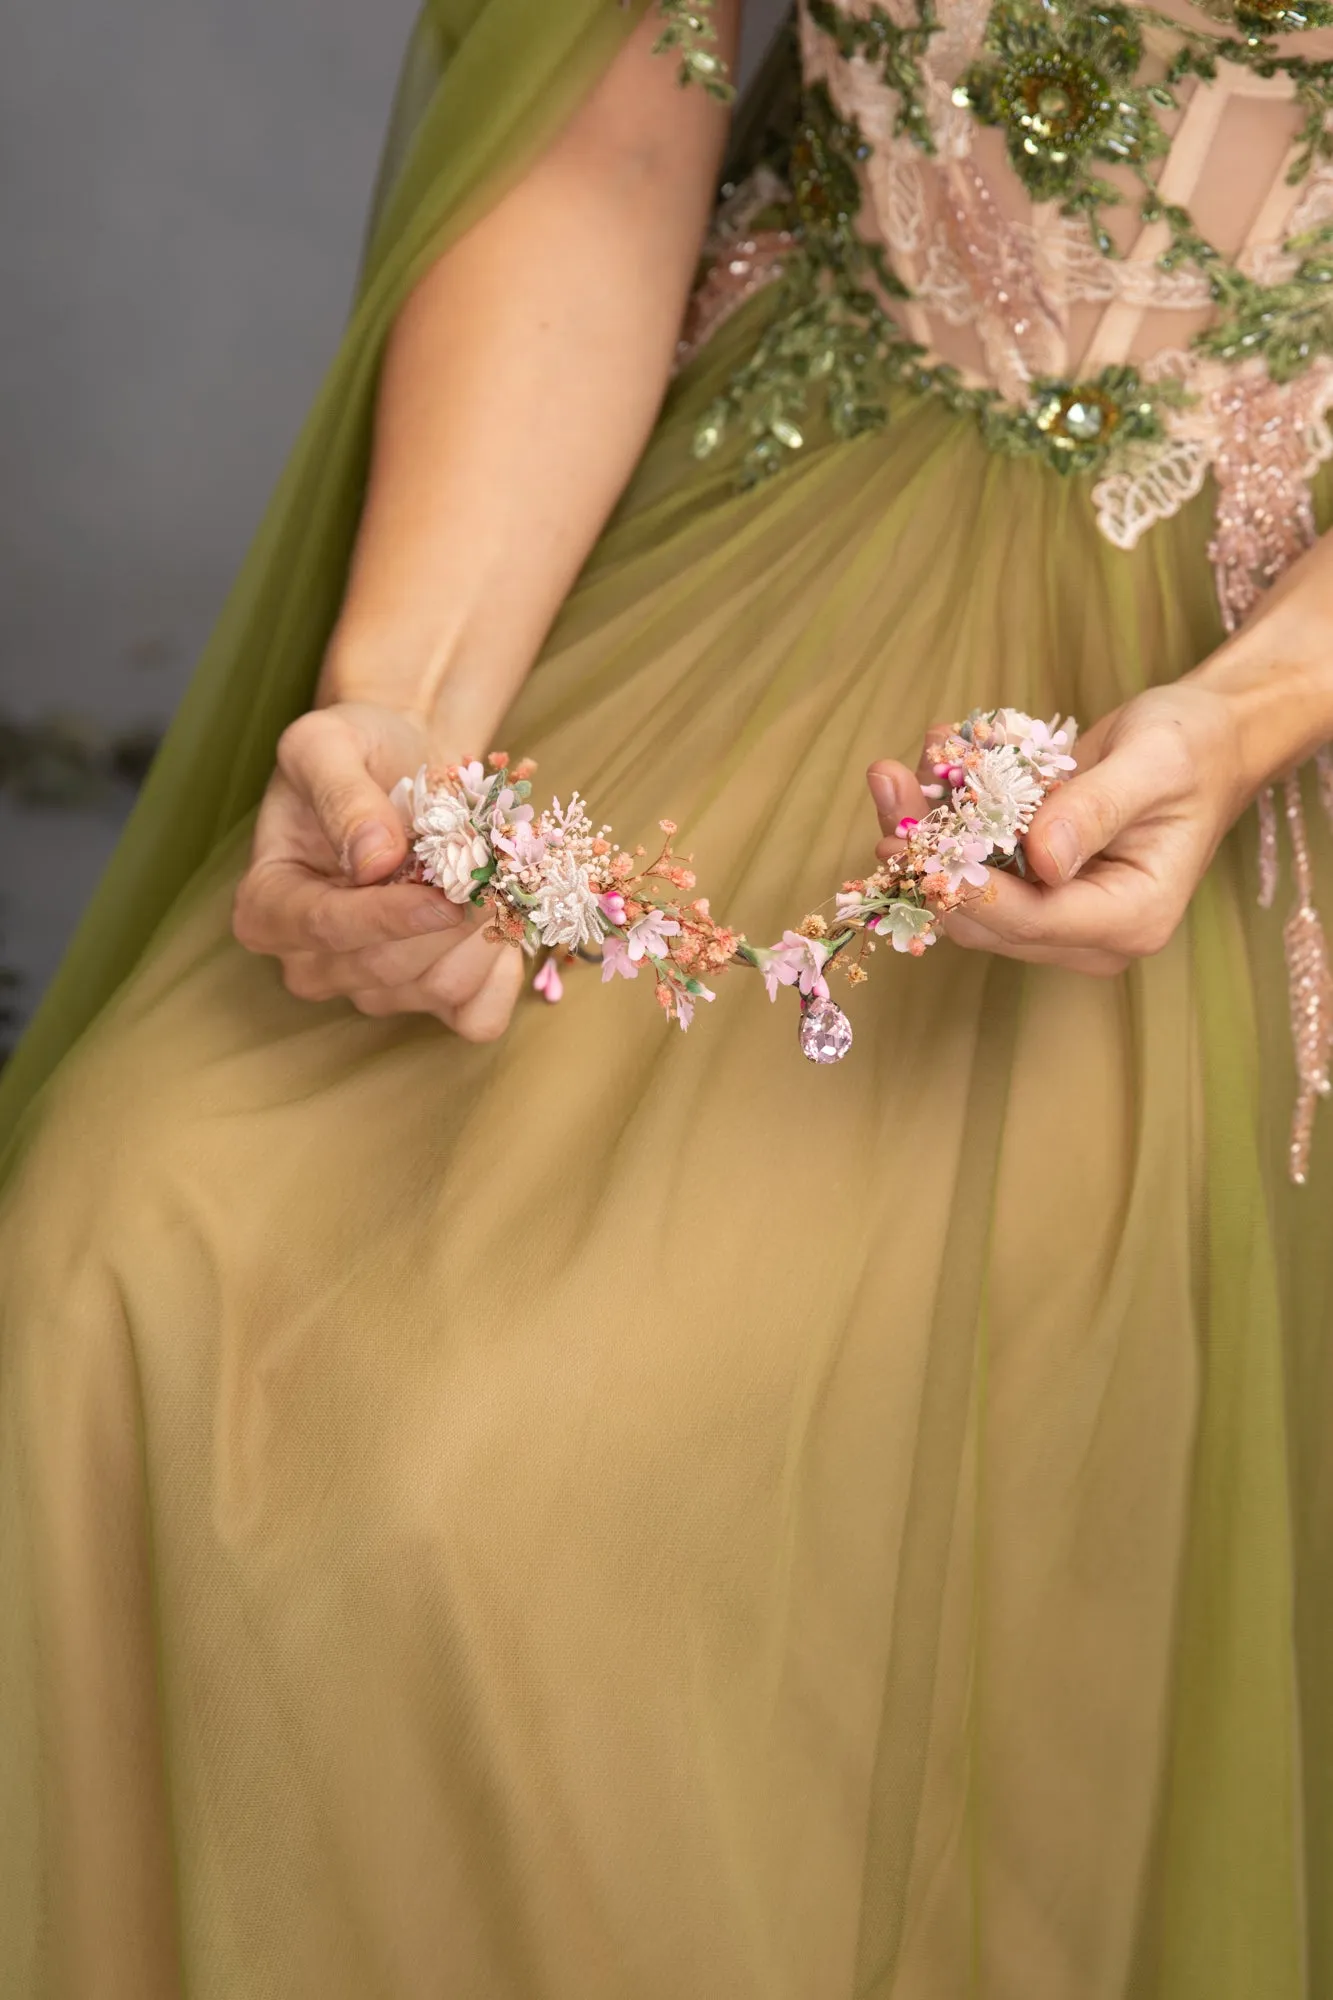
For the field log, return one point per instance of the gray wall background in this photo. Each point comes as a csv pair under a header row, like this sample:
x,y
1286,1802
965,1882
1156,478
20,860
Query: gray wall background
x,y
182,190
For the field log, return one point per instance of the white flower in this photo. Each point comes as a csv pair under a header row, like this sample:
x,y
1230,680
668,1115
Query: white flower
x,y
566,910
1002,796
410,797
449,847
444,839
902,922
1010,725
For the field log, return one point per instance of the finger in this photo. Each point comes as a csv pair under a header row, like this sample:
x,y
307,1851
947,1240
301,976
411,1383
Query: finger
x,y
326,763
897,796
452,981
962,930
306,975
1116,908
479,1016
1084,816
486,1015
281,907
319,975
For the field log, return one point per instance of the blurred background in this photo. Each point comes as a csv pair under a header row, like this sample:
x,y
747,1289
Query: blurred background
x,y
183,189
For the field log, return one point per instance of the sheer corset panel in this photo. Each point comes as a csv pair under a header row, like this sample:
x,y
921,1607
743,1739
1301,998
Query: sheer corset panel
x,y
1009,288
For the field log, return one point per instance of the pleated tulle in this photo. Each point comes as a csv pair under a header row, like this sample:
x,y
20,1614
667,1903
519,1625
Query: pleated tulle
x,y
618,1515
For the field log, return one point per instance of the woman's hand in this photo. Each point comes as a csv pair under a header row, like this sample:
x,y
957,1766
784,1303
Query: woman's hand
x,y
316,894
1118,851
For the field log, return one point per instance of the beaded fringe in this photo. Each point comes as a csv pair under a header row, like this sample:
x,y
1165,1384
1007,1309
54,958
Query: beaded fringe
x,y
1309,974
1309,971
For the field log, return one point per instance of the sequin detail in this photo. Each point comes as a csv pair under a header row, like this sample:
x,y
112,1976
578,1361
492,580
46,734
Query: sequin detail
x,y
688,34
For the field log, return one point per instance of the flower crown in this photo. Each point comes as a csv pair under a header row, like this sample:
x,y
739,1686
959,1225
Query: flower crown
x,y
562,889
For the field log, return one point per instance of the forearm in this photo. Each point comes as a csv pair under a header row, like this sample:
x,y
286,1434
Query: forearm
x,y
1278,670
519,387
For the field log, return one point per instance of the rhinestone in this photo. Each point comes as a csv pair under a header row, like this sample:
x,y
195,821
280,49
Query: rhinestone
x,y
825,1032
1083,420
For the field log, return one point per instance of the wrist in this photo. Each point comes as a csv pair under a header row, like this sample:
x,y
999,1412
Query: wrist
x,y
427,682
1281,706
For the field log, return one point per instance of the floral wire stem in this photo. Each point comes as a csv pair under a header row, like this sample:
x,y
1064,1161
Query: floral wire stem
x,y
562,889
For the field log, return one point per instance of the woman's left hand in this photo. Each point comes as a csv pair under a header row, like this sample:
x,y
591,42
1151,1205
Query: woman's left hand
x,y
1116,852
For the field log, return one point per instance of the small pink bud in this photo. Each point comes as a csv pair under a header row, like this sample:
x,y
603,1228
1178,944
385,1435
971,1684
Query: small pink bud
x,y
904,827
612,905
548,982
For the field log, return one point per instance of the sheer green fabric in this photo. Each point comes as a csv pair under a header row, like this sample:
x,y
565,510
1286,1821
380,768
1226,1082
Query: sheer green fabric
x,y
486,85
617,1515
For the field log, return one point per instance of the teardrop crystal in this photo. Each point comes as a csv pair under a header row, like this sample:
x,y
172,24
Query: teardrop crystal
x,y
825,1032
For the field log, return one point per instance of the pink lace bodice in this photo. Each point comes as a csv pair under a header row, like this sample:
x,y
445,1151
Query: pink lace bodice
x,y
1011,289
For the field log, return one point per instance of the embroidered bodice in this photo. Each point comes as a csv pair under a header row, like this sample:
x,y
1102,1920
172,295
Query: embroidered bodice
x,y
1104,230
1108,230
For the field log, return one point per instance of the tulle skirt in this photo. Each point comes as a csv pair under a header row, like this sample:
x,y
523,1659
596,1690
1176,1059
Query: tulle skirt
x,y
624,1515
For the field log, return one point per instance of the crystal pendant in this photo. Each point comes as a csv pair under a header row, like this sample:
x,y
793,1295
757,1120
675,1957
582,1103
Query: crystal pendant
x,y
826,1033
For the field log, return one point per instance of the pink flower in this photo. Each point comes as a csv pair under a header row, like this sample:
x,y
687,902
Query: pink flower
x,y
904,827
548,982
507,807
526,848
613,905
797,961
683,1010
616,959
1046,746
960,860
648,937
473,779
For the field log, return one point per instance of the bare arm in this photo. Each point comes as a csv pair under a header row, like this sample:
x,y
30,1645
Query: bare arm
x,y
521,383
520,388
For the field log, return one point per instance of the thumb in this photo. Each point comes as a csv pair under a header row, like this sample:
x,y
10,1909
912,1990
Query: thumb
x,y
897,795
1083,816
325,762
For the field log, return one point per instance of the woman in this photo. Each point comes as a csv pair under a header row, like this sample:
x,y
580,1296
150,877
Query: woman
x,y
502,1500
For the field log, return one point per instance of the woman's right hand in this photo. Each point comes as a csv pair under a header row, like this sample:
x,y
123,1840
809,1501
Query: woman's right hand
x,y
316,895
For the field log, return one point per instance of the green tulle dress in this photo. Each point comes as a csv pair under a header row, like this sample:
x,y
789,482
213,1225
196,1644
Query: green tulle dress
x,y
619,1515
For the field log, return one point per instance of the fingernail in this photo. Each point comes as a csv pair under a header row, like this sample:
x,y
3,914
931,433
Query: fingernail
x,y
1062,846
436,916
368,844
885,794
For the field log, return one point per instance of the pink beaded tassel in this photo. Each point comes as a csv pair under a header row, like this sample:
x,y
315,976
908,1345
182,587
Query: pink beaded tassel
x,y
1311,988
1265,519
